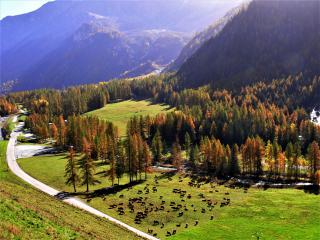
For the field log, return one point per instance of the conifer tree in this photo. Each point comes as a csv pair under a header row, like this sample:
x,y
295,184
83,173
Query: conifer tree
x,y
146,158
112,160
120,163
296,156
314,158
176,156
86,165
157,147
194,157
187,144
289,156
71,171
234,168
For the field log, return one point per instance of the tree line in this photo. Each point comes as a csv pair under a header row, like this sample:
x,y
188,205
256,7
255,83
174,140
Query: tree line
x,y
254,128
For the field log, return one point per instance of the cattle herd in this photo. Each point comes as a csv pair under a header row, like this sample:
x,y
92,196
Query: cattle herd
x,y
146,202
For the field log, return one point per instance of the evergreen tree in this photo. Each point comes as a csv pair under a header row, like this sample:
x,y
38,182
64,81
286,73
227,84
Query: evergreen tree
x,y
194,157
86,165
71,171
234,168
289,156
146,158
157,147
296,156
120,163
176,156
112,160
187,144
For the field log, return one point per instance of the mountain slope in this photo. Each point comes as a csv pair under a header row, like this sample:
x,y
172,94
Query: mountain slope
x,y
268,39
199,39
30,41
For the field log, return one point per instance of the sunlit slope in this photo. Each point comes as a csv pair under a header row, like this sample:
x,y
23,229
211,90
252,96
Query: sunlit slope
x,y
26,213
121,112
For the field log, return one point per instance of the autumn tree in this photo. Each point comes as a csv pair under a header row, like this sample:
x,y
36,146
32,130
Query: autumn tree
x,y
314,158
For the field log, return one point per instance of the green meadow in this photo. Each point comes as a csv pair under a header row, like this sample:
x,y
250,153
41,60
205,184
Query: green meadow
x,y
119,113
26,213
255,214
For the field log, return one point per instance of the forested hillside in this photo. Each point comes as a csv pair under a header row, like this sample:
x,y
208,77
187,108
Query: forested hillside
x,y
266,123
200,38
268,39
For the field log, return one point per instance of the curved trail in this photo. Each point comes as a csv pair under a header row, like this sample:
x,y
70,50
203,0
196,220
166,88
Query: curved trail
x,y
14,167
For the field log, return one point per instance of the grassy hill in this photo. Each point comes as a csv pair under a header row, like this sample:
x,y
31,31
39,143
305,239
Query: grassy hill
x,y
119,113
26,213
268,214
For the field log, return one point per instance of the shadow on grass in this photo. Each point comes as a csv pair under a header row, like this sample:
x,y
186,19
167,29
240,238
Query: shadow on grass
x,y
99,192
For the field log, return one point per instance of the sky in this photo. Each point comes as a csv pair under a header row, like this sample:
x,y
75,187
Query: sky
x,y
16,7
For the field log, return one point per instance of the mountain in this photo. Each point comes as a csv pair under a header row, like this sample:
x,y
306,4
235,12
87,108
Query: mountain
x,y
43,48
266,40
97,52
200,38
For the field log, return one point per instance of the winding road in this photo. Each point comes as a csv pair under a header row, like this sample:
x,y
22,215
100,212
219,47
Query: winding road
x,y
14,167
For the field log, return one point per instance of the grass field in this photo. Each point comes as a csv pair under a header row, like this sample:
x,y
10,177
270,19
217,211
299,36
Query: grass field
x,y
119,113
267,214
26,213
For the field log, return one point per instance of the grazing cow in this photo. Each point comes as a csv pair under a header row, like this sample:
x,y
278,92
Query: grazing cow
x,y
178,225
196,223
162,225
155,234
168,234
180,214
174,232
211,218
156,223
186,225
121,196
150,230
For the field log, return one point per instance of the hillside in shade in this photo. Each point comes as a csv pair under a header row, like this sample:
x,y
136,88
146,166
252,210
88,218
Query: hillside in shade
x,y
266,40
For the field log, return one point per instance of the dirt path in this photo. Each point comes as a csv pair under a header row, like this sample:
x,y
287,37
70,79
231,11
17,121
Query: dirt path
x,y
14,167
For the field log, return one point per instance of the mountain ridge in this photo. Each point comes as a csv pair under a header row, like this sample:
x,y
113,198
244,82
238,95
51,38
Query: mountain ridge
x,y
267,40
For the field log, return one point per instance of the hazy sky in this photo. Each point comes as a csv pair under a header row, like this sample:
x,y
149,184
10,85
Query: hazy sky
x,y
16,7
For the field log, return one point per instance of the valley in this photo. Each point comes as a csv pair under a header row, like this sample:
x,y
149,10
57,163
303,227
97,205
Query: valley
x,y
160,120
